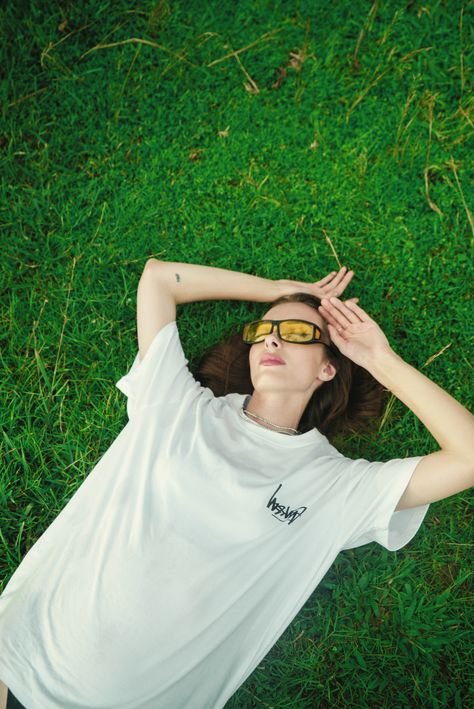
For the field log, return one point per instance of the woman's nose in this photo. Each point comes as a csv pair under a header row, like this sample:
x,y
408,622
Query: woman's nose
x,y
273,336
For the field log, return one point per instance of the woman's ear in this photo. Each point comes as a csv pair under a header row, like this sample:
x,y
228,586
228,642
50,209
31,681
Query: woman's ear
x,y
328,371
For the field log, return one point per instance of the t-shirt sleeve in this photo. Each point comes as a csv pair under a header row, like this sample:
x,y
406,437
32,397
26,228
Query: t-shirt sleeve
x,y
162,377
372,492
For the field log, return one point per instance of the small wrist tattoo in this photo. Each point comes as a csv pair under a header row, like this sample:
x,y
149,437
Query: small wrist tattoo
x,y
178,279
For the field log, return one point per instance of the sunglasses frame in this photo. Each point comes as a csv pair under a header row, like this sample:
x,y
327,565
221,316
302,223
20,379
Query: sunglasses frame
x,y
291,342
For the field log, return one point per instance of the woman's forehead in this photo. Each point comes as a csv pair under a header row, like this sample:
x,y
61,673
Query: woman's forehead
x,y
298,311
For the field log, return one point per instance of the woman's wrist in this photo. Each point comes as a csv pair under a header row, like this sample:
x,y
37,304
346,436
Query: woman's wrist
x,y
288,287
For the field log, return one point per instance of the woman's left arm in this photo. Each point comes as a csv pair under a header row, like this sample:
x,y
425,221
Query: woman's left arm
x,y
440,474
445,472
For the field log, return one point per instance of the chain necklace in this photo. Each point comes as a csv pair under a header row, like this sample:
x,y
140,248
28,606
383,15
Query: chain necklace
x,y
288,428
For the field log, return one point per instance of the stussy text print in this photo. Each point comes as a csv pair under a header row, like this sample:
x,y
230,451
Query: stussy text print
x,y
280,511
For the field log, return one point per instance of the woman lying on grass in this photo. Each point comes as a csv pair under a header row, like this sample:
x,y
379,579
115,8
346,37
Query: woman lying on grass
x,y
214,515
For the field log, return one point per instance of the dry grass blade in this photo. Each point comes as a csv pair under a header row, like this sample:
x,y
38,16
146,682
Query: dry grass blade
x,y
137,40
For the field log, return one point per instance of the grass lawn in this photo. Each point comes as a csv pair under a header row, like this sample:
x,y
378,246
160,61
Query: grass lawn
x,y
282,139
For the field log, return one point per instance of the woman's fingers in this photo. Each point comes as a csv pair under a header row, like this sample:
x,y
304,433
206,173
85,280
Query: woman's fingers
x,y
339,311
335,277
327,316
358,311
343,276
326,279
333,317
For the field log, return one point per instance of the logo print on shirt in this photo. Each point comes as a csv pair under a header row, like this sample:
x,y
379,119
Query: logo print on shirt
x,y
286,513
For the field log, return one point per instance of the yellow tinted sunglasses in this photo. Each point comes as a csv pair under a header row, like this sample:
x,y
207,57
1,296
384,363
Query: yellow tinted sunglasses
x,y
300,332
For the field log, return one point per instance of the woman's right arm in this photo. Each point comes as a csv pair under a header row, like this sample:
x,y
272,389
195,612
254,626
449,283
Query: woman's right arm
x,y
189,282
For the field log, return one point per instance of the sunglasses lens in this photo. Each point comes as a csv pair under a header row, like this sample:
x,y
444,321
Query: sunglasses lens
x,y
296,331
256,330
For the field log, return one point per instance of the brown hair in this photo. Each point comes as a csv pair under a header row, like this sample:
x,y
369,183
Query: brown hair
x,y
348,402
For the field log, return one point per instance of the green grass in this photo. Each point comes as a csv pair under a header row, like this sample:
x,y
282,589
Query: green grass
x,y
340,134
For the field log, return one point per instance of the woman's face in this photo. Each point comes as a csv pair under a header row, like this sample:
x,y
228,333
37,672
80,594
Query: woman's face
x,y
306,367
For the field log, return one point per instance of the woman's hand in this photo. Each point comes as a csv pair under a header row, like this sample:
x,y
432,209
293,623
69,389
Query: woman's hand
x,y
334,283
354,332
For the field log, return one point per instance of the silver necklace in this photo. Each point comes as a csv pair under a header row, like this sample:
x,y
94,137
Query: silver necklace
x,y
288,428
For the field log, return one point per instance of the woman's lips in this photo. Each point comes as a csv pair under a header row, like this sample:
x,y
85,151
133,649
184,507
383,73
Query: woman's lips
x,y
268,362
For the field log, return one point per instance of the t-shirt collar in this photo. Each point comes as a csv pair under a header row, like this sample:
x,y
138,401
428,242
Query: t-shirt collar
x,y
261,432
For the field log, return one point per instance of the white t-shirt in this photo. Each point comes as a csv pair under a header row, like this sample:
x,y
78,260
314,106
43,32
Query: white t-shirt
x,y
187,550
